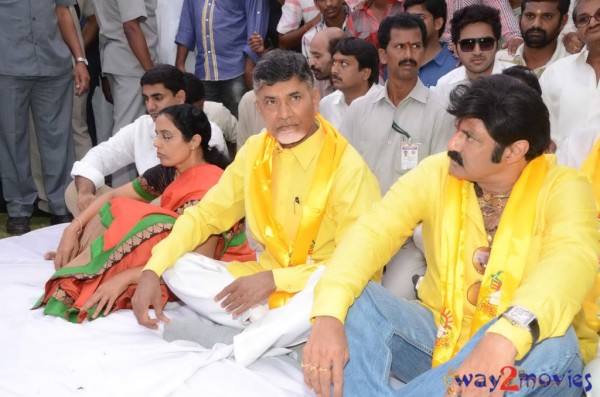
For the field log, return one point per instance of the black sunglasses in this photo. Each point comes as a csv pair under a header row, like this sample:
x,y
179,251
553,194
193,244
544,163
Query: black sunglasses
x,y
485,44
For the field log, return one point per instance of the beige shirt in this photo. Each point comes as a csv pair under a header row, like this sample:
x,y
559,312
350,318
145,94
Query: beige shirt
x,y
249,121
368,127
518,59
221,116
115,53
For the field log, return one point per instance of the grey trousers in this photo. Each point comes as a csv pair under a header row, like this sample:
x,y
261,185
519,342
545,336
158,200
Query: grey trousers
x,y
128,106
51,101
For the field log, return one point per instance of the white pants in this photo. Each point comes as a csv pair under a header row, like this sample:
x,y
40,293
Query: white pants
x,y
196,279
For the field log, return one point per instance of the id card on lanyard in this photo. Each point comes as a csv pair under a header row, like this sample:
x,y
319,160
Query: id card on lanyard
x,y
409,152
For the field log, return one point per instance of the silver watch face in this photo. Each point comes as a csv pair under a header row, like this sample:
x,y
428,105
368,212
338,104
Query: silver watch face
x,y
520,315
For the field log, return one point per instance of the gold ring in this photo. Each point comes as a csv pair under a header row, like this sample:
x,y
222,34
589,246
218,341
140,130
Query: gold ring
x,y
308,366
323,369
452,392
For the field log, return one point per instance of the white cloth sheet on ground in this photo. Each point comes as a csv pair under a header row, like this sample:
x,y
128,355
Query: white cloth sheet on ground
x,y
114,356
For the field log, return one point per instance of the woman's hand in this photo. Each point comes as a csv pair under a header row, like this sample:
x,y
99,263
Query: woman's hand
x,y
68,246
107,294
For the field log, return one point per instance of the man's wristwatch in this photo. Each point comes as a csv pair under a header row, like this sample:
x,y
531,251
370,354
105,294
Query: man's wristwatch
x,y
82,59
523,318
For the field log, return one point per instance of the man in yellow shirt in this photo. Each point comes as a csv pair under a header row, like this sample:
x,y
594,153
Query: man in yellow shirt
x,y
511,243
298,184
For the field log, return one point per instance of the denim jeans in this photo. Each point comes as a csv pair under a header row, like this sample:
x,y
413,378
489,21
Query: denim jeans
x,y
228,92
393,337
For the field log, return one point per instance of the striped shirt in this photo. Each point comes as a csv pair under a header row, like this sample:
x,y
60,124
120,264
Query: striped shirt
x,y
219,30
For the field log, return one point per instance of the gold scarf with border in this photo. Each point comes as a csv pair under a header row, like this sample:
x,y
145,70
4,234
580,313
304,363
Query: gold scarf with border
x,y
591,169
286,252
506,262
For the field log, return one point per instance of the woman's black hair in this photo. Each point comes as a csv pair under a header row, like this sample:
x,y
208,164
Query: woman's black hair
x,y
191,121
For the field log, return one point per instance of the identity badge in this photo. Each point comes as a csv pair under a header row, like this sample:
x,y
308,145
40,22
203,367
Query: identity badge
x,y
409,156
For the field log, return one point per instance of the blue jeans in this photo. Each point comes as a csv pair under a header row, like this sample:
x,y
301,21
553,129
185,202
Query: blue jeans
x,y
228,92
393,337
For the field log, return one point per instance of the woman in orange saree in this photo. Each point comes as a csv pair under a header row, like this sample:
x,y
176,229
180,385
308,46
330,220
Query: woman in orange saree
x,y
102,252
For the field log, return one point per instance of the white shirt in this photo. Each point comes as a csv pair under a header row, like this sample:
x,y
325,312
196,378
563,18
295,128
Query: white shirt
x,y
333,107
517,58
577,146
368,127
458,76
571,93
133,143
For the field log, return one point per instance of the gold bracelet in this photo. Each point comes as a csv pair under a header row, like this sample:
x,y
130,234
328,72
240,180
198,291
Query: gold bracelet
x,y
80,225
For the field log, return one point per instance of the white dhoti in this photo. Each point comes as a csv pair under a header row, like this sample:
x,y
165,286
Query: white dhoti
x,y
196,279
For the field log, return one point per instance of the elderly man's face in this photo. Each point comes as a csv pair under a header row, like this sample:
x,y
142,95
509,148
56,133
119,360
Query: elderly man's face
x,y
588,10
288,109
320,58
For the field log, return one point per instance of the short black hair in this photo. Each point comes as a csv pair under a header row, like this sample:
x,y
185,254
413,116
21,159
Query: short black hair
x,y
509,109
437,8
364,52
525,75
167,75
402,21
473,14
194,88
562,5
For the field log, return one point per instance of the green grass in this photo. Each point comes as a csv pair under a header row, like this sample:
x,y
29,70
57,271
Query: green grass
x,y
36,223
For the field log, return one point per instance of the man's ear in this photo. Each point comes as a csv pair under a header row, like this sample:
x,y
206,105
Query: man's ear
x,y
382,56
516,151
437,23
564,20
180,96
365,73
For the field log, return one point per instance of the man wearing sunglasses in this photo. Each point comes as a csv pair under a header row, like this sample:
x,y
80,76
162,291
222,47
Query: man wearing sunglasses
x,y
541,23
511,241
570,85
475,32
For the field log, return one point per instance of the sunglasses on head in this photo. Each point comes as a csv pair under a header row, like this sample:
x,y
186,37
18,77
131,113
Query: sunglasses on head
x,y
485,44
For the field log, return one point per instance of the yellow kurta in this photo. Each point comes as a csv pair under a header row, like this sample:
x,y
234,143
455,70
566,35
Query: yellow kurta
x,y
353,191
561,258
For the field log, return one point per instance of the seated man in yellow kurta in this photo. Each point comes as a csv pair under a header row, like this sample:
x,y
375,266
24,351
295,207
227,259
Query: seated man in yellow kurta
x,y
511,243
298,184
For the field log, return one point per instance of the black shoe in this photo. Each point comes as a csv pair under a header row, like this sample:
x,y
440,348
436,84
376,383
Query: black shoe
x,y
58,219
17,225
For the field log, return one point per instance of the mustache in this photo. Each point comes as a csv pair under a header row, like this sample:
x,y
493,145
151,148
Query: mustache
x,y
535,30
407,61
286,123
454,155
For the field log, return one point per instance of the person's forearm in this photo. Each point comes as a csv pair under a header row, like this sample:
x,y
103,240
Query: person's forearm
x,y
90,31
84,185
137,43
182,53
66,25
293,38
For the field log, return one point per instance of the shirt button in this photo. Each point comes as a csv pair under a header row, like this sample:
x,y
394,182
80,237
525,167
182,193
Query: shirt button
x,y
390,142
383,170
34,18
